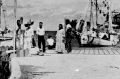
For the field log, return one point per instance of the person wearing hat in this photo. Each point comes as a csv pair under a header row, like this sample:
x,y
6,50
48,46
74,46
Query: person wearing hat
x,y
28,37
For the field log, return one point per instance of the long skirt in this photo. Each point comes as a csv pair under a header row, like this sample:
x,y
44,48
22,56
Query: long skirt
x,y
60,47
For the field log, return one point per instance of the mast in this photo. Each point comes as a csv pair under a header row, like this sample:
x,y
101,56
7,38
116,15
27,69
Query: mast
x,y
4,17
110,19
15,25
96,12
91,15
91,11
0,11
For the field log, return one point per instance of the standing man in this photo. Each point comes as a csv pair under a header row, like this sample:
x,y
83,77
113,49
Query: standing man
x,y
41,39
68,36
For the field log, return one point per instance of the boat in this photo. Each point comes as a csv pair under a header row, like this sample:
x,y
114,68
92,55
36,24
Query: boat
x,y
98,27
5,33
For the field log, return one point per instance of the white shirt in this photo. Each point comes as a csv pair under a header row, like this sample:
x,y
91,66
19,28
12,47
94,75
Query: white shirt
x,y
41,31
50,41
102,34
23,27
29,32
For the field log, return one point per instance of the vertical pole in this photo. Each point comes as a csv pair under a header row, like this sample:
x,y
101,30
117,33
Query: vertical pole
x,y
110,19
15,25
96,12
91,16
65,31
90,12
4,17
97,18
0,11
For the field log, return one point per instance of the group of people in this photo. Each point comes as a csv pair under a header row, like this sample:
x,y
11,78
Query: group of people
x,y
28,38
64,37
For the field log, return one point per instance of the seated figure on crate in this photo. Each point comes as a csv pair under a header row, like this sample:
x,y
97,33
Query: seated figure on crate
x,y
50,42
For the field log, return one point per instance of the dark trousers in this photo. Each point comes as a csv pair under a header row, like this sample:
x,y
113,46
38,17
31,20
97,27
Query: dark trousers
x,y
79,40
50,47
68,45
41,40
35,41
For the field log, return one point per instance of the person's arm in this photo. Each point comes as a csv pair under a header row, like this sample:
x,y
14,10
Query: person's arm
x,y
37,31
44,31
63,33
56,36
47,42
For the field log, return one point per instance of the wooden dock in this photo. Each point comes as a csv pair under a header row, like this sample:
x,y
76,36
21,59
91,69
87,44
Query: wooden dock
x,y
92,51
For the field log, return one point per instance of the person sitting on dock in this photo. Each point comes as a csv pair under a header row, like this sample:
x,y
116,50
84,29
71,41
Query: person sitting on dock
x,y
50,42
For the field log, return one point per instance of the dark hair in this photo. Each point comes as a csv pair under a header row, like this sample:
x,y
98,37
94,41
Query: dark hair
x,y
67,21
27,25
60,26
93,29
18,23
21,18
34,31
41,22
49,36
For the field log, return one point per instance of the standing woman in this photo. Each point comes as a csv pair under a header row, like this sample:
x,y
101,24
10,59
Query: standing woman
x,y
18,34
60,46
19,39
28,38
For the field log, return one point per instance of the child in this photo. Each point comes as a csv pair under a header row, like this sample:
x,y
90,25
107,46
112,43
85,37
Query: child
x,y
50,42
35,39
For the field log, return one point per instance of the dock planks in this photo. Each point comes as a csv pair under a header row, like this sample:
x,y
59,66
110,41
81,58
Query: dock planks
x,y
98,51
95,51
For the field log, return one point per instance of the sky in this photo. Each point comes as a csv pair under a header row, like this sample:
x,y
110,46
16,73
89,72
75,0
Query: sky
x,y
50,12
